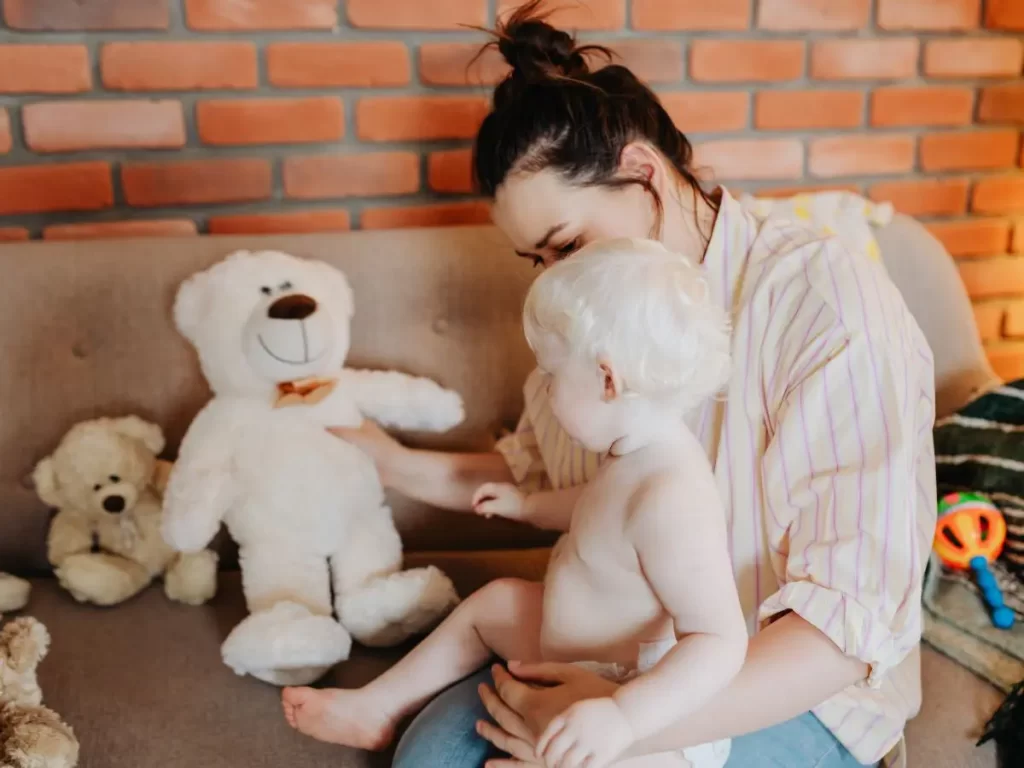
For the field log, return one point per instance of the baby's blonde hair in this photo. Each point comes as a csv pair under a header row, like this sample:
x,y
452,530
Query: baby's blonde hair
x,y
644,310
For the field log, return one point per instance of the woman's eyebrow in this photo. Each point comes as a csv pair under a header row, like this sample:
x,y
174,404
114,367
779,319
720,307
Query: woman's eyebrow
x,y
543,242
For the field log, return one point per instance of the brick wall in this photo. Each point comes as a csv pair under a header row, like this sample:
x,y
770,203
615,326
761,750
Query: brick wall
x,y
124,117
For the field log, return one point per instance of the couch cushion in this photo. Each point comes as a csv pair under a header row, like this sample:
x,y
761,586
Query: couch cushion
x,y
85,330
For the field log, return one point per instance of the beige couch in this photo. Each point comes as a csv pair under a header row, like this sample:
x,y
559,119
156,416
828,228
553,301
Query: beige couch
x,y
85,330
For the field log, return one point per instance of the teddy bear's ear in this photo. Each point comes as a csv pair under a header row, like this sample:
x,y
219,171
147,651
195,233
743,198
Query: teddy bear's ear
x,y
24,642
149,434
339,285
44,478
190,304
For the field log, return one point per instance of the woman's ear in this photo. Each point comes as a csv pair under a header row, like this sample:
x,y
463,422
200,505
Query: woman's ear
x,y
640,160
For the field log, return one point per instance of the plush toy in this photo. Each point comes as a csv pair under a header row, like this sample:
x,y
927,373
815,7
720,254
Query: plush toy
x,y
31,736
306,508
105,542
14,593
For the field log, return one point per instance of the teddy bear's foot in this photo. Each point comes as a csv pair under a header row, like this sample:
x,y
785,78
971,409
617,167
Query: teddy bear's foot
x,y
286,645
192,578
392,609
100,578
36,737
13,593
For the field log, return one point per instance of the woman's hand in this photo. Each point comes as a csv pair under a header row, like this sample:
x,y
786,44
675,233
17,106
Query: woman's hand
x,y
385,451
501,499
524,705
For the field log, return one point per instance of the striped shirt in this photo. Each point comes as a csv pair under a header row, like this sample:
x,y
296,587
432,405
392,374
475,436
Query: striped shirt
x,y
822,449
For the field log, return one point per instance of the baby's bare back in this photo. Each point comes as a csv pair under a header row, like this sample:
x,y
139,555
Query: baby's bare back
x,y
598,606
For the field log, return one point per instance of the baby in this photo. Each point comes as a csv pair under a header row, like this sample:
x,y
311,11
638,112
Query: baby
x,y
641,586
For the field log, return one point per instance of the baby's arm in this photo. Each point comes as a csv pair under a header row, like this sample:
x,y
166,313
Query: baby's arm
x,y
678,530
550,510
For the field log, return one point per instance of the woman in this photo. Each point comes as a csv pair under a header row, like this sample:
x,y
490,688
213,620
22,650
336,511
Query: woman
x,y
821,447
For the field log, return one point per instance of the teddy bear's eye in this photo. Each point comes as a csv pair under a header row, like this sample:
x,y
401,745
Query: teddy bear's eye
x,y
286,285
97,487
115,479
266,290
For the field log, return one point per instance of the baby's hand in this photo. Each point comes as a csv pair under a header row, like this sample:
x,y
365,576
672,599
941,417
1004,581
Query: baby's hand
x,y
502,499
592,733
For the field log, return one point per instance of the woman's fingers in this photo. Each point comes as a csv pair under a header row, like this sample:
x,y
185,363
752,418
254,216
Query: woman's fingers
x,y
506,717
549,673
512,745
513,692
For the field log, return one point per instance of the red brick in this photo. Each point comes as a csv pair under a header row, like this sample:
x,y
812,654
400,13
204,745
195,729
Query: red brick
x,y
412,118
85,15
5,132
724,61
107,230
416,14
794,110
653,61
861,155
44,69
931,197
791,190
696,15
71,126
806,15
178,66
889,59
290,223
980,57
459,64
989,319
928,14
439,215
1014,325
451,171
1007,360
227,15
1017,246
899,106
13,234
974,150
196,182
708,111
365,174
987,278
270,121
750,159
337,65
49,188
589,14
1005,14
974,237
999,194
1002,104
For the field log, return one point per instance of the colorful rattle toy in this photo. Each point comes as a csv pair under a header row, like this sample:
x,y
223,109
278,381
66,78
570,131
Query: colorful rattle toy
x,y
970,535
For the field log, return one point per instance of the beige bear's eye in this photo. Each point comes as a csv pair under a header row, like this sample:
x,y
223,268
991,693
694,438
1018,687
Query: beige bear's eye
x,y
97,487
266,290
115,479
286,285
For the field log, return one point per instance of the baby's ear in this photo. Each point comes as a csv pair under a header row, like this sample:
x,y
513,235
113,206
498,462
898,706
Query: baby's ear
x,y
148,434
44,478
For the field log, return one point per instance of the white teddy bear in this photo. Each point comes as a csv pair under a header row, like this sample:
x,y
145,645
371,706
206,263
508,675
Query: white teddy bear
x,y
306,508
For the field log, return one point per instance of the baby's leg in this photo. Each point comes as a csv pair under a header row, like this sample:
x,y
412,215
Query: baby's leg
x,y
503,618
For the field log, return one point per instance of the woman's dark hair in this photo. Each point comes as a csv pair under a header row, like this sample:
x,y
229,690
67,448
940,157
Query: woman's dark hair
x,y
553,111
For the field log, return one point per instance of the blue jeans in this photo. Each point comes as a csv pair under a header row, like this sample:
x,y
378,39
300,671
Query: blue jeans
x,y
444,736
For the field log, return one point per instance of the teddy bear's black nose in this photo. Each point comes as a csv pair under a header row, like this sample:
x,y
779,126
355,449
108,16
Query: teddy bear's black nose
x,y
297,306
114,503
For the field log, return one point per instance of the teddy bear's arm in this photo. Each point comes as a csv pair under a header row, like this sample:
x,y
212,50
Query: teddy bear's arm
x,y
70,534
200,489
401,401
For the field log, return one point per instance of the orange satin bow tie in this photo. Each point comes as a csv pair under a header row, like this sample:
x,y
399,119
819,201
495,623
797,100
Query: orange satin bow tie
x,y
304,391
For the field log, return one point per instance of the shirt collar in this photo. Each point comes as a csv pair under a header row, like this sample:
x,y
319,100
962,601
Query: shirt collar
x,y
731,238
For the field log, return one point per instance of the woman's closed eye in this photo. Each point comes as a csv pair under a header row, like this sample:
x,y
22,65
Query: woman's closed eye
x,y
568,249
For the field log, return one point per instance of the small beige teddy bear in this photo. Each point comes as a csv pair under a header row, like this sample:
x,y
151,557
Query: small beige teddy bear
x,y
105,542
31,736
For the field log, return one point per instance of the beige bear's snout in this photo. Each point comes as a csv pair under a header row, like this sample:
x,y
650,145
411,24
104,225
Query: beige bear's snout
x,y
296,306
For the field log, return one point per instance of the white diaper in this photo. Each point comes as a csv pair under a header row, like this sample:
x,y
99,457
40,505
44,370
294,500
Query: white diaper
x,y
713,755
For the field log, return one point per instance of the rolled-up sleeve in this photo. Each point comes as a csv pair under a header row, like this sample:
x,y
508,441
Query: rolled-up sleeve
x,y
845,472
521,449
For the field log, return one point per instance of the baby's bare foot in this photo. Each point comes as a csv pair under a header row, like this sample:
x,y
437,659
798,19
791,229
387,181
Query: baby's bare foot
x,y
346,717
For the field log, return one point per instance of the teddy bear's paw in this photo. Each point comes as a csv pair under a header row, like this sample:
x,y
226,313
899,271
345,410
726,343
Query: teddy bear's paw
x,y
287,636
101,579
13,592
36,737
448,413
192,578
392,609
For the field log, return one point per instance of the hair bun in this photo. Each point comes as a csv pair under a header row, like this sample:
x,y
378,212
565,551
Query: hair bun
x,y
534,49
